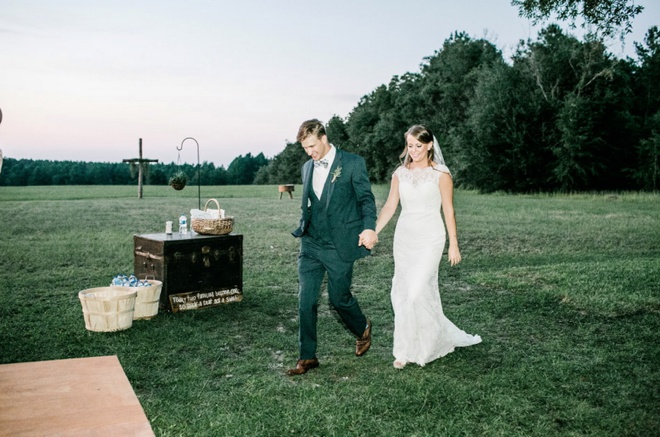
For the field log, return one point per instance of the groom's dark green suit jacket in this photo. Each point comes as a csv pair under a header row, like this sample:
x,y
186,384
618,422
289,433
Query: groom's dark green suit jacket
x,y
350,204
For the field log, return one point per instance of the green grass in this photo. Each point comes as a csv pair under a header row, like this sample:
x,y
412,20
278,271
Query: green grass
x,y
563,289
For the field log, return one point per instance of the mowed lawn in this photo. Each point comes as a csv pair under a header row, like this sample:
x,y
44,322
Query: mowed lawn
x,y
563,289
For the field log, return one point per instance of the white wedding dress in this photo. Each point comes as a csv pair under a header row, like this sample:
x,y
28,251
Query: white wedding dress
x,y
422,333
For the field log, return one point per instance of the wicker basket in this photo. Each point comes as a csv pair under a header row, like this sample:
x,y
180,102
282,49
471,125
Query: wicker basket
x,y
219,226
108,308
147,300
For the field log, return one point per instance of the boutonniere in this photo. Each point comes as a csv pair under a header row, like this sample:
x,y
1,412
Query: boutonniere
x,y
335,175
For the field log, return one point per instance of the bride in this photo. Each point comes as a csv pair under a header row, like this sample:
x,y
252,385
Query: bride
x,y
424,186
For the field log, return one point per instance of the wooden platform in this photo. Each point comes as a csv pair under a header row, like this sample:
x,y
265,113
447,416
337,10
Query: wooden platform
x,y
76,397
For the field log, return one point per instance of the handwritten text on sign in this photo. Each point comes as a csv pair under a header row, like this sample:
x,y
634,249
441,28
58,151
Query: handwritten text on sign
x,y
195,300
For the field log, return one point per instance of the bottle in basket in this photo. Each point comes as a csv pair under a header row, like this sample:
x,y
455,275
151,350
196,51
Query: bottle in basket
x,y
183,224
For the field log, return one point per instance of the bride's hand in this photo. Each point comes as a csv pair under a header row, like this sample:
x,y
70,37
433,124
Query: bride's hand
x,y
454,255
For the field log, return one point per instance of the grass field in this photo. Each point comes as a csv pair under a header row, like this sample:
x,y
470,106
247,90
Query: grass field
x,y
563,289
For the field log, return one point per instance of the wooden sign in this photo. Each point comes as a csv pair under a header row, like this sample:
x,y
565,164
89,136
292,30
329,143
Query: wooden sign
x,y
195,300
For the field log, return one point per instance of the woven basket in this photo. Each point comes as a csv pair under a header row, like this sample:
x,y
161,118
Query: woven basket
x,y
108,308
147,300
212,226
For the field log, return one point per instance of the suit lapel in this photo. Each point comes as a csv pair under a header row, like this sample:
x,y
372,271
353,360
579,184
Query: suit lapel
x,y
329,184
307,183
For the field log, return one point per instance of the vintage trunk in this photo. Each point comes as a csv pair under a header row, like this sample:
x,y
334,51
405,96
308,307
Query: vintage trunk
x,y
197,271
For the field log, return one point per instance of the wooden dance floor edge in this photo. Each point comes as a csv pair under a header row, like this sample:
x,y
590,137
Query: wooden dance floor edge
x,y
74,397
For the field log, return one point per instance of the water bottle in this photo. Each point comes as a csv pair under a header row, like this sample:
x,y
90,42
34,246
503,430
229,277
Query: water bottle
x,y
183,224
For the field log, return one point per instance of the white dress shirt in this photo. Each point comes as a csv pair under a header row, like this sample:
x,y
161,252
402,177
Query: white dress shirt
x,y
320,174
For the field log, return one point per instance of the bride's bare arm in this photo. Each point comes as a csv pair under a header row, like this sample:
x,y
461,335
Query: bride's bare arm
x,y
390,205
447,193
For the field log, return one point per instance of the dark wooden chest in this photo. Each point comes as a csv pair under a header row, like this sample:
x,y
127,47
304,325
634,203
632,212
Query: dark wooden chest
x,y
197,271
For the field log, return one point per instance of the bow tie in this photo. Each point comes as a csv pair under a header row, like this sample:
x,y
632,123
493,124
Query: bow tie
x,y
321,163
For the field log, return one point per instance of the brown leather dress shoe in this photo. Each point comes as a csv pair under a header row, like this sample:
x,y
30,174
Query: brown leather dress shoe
x,y
363,343
302,366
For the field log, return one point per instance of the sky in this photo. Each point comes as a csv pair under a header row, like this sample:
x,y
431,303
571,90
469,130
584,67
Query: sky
x,y
84,80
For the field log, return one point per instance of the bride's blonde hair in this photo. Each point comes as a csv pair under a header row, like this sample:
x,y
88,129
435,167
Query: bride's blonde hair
x,y
422,134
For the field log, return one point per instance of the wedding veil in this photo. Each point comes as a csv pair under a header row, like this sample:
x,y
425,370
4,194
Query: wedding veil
x,y
437,153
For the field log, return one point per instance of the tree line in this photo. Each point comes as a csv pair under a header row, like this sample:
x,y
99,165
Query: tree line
x,y
19,172
562,114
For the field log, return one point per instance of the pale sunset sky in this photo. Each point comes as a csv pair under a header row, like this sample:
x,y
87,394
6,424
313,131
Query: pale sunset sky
x,y
83,80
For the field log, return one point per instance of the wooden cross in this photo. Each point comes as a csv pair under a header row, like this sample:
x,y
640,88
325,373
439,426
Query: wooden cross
x,y
141,162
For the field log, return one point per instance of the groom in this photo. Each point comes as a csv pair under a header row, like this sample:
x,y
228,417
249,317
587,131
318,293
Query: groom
x,y
336,228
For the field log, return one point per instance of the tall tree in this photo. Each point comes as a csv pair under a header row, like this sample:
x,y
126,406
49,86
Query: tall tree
x,y
372,129
243,169
608,17
575,79
446,88
648,74
337,133
449,78
647,110
502,145
284,168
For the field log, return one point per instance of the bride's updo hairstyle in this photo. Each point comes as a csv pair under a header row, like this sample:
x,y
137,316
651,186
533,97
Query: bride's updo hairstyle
x,y
422,134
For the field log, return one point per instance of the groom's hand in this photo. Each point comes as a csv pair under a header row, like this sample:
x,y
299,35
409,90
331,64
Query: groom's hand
x,y
368,238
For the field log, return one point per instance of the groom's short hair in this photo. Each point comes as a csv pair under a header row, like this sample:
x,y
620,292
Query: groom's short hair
x,y
310,127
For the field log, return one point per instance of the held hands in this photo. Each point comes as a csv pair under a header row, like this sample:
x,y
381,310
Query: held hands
x,y
368,238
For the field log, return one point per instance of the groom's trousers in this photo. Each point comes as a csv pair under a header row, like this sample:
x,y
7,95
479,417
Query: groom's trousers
x,y
314,261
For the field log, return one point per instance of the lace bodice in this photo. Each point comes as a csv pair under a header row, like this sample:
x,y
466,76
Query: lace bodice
x,y
419,188
420,175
